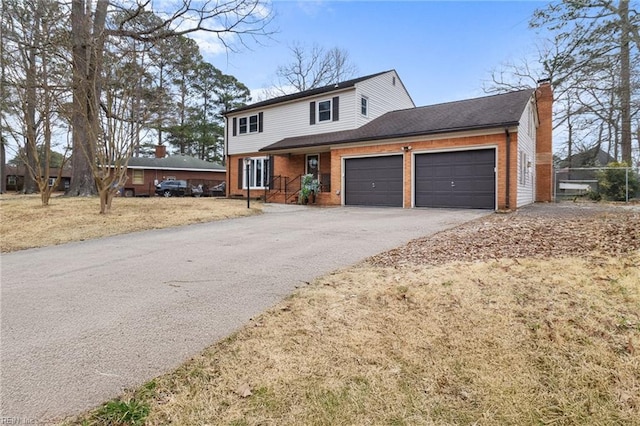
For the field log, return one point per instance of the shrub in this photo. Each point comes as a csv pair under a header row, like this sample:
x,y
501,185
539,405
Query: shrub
x,y
594,195
309,186
612,182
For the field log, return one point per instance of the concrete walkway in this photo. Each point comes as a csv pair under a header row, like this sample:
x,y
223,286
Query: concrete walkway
x,y
83,321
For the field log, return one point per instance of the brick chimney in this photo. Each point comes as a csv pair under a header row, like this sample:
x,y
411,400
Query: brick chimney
x,y
544,142
161,151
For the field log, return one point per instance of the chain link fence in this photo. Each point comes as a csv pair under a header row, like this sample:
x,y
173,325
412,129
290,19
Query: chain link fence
x,y
597,183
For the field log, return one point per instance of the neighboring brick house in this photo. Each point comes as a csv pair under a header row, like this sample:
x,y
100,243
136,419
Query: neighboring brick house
x,y
368,144
143,173
14,178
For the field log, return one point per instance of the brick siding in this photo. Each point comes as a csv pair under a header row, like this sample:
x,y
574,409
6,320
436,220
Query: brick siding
x,y
544,144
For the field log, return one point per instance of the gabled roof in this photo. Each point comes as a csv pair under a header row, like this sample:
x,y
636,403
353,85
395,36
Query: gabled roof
x,y
592,157
21,170
174,162
307,93
496,111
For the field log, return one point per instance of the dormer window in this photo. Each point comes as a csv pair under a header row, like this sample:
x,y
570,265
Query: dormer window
x,y
364,106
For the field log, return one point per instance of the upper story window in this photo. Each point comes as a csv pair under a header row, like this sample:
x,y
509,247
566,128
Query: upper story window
x,y
322,111
364,106
250,124
253,123
242,125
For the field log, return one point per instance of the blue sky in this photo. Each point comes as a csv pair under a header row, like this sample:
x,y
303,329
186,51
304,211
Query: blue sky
x,y
443,51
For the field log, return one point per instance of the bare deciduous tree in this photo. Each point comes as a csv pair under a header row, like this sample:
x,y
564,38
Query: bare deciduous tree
x,y
34,85
311,67
593,61
116,140
598,36
91,28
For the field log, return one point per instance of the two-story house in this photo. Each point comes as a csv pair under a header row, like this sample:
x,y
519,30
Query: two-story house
x,y
367,144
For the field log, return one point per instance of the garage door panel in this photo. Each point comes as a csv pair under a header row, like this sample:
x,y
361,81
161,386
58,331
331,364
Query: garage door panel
x,y
432,185
457,179
472,186
374,181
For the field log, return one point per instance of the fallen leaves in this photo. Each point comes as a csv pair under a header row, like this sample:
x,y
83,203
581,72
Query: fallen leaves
x,y
244,391
539,231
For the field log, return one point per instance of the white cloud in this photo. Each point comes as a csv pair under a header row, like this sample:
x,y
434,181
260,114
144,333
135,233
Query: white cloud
x,y
314,7
210,44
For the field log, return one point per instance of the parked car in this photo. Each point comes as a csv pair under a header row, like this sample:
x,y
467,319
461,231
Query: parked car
x,y
219,190
173,188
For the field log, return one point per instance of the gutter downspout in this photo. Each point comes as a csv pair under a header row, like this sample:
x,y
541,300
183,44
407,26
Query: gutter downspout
x,y
227,164
508,180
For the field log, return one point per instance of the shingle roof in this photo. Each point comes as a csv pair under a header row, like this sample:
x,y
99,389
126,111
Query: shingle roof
x,y
589,158
307,93
174,162
471,114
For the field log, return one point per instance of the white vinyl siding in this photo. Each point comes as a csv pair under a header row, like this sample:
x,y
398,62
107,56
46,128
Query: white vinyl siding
x,y
383,96
293,119
526,153
289,120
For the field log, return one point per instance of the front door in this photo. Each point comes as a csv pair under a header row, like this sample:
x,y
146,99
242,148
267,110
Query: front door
x,y
312,165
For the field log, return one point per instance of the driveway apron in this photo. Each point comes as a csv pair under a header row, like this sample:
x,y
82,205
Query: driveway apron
x,y
82,321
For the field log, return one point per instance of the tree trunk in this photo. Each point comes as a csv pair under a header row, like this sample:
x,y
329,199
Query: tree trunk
x,y
569,132
46,189
31,149
106,198
161,110
82,183
625,82
3,65
3,179
88,45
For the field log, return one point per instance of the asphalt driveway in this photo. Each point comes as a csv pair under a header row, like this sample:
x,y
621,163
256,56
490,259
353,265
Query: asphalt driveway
x,y
82,321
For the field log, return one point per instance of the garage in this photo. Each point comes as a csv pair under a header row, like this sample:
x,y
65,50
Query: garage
x,y
456,179
373,181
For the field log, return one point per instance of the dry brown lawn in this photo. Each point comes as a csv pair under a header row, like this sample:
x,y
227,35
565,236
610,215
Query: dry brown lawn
x,y
26,224
523,336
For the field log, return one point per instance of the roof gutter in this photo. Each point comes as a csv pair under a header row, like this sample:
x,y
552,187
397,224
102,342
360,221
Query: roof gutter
x,y
383,138
295,98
